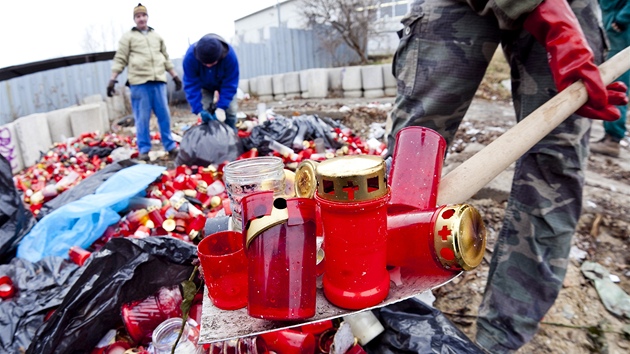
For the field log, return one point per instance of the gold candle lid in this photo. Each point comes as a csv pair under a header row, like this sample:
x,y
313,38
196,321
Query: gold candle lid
x,y
459,237
305,179
279,215
352,178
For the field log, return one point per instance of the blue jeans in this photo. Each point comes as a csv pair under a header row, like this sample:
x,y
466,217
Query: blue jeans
x,y
147,97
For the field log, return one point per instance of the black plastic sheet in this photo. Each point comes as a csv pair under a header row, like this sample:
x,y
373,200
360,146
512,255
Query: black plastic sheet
x,y
123,270
83,188
40,287
15,219
286,131
412,326
209,143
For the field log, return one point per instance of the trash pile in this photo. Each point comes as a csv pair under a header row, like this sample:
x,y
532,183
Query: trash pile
x,y
105,247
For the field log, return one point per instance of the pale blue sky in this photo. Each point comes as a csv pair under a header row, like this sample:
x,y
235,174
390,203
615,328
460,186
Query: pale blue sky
x,y
42,29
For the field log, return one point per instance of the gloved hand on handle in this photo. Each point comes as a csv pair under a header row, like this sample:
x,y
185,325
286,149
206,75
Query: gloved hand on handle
x,y
220,113
554,25
110,88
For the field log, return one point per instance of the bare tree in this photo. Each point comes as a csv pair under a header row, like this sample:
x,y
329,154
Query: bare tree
x,y
352,21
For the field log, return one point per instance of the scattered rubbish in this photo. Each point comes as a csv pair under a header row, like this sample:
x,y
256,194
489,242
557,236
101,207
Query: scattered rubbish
x,y
613,297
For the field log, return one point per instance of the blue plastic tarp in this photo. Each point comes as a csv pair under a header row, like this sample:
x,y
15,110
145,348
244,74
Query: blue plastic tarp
x,y
83,221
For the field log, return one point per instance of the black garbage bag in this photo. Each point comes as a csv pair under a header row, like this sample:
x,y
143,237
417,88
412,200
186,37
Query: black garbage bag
x,y
40,287
124,270
83,188
209,143
313,127
412,326
15,219
280,129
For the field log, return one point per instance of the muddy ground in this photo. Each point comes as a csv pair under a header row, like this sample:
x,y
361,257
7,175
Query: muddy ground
x,y
578,322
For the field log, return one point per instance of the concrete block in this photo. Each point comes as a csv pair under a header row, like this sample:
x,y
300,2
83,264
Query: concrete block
x,y
33,136
388,78
318,83
92,99
334,79
243,84
353,94
106,124
116,106
374,93
86,119
10,147
351,78
372,77
304,74
264,85
292,83
277,83
253,86
265,98
391,92
59,124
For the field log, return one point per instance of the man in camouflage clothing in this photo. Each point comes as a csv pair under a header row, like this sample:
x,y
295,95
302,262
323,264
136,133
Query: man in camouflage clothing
x,y
445,48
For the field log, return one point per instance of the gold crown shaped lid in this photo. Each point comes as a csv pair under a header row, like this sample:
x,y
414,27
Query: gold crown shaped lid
x,y
459,237
305,179
352,178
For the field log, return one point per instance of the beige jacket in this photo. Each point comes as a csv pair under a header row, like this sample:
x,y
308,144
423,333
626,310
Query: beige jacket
x,y
144,55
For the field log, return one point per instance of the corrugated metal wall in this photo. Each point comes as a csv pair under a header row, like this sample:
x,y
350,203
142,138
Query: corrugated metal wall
x,y
288,50
63,87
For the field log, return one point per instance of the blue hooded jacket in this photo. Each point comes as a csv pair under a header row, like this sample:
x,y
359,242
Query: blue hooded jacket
x,y
222,77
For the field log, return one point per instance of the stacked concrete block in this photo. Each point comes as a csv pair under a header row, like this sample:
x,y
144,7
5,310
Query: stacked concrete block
x,y
243,84
86,119
10,147
277,84
389,80
264,86
116,107
351,82
317,83
304,75
372,80
334,82
59,124
253,87
292,85
33,136
106,123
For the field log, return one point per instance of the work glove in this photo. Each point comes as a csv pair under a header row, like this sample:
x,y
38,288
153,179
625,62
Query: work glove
x,y
178,83
554,25
220,113
207,116
110,88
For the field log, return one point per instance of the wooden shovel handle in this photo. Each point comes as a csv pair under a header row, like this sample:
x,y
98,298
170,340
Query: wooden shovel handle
x,y
469,177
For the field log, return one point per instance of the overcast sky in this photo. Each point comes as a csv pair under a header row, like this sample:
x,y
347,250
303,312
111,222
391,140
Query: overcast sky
x,y
42,29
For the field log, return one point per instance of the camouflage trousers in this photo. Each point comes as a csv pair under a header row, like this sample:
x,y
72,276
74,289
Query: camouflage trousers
x,y
444,51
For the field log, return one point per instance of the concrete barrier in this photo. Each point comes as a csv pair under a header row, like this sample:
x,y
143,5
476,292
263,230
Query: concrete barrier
x,y
304,74
277,84
59,124
243,84
318,83
351,82
264,85
10,147
86,119
292,85
116,106
334,81
92,99
105,121
389,80
33,136
372,80
253,86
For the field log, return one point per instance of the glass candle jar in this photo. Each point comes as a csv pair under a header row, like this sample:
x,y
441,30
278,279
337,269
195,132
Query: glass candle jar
x,y
246,176
165,335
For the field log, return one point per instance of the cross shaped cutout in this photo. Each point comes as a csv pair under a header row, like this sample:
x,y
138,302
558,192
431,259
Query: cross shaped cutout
x,y
445,232
350,188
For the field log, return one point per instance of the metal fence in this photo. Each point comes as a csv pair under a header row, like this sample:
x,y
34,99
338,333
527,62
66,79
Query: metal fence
x,y
289,50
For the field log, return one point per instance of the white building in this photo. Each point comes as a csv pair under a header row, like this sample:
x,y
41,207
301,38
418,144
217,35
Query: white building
x,y
255,28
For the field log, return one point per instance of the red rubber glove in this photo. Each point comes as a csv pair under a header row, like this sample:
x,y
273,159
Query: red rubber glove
x,y
554,25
